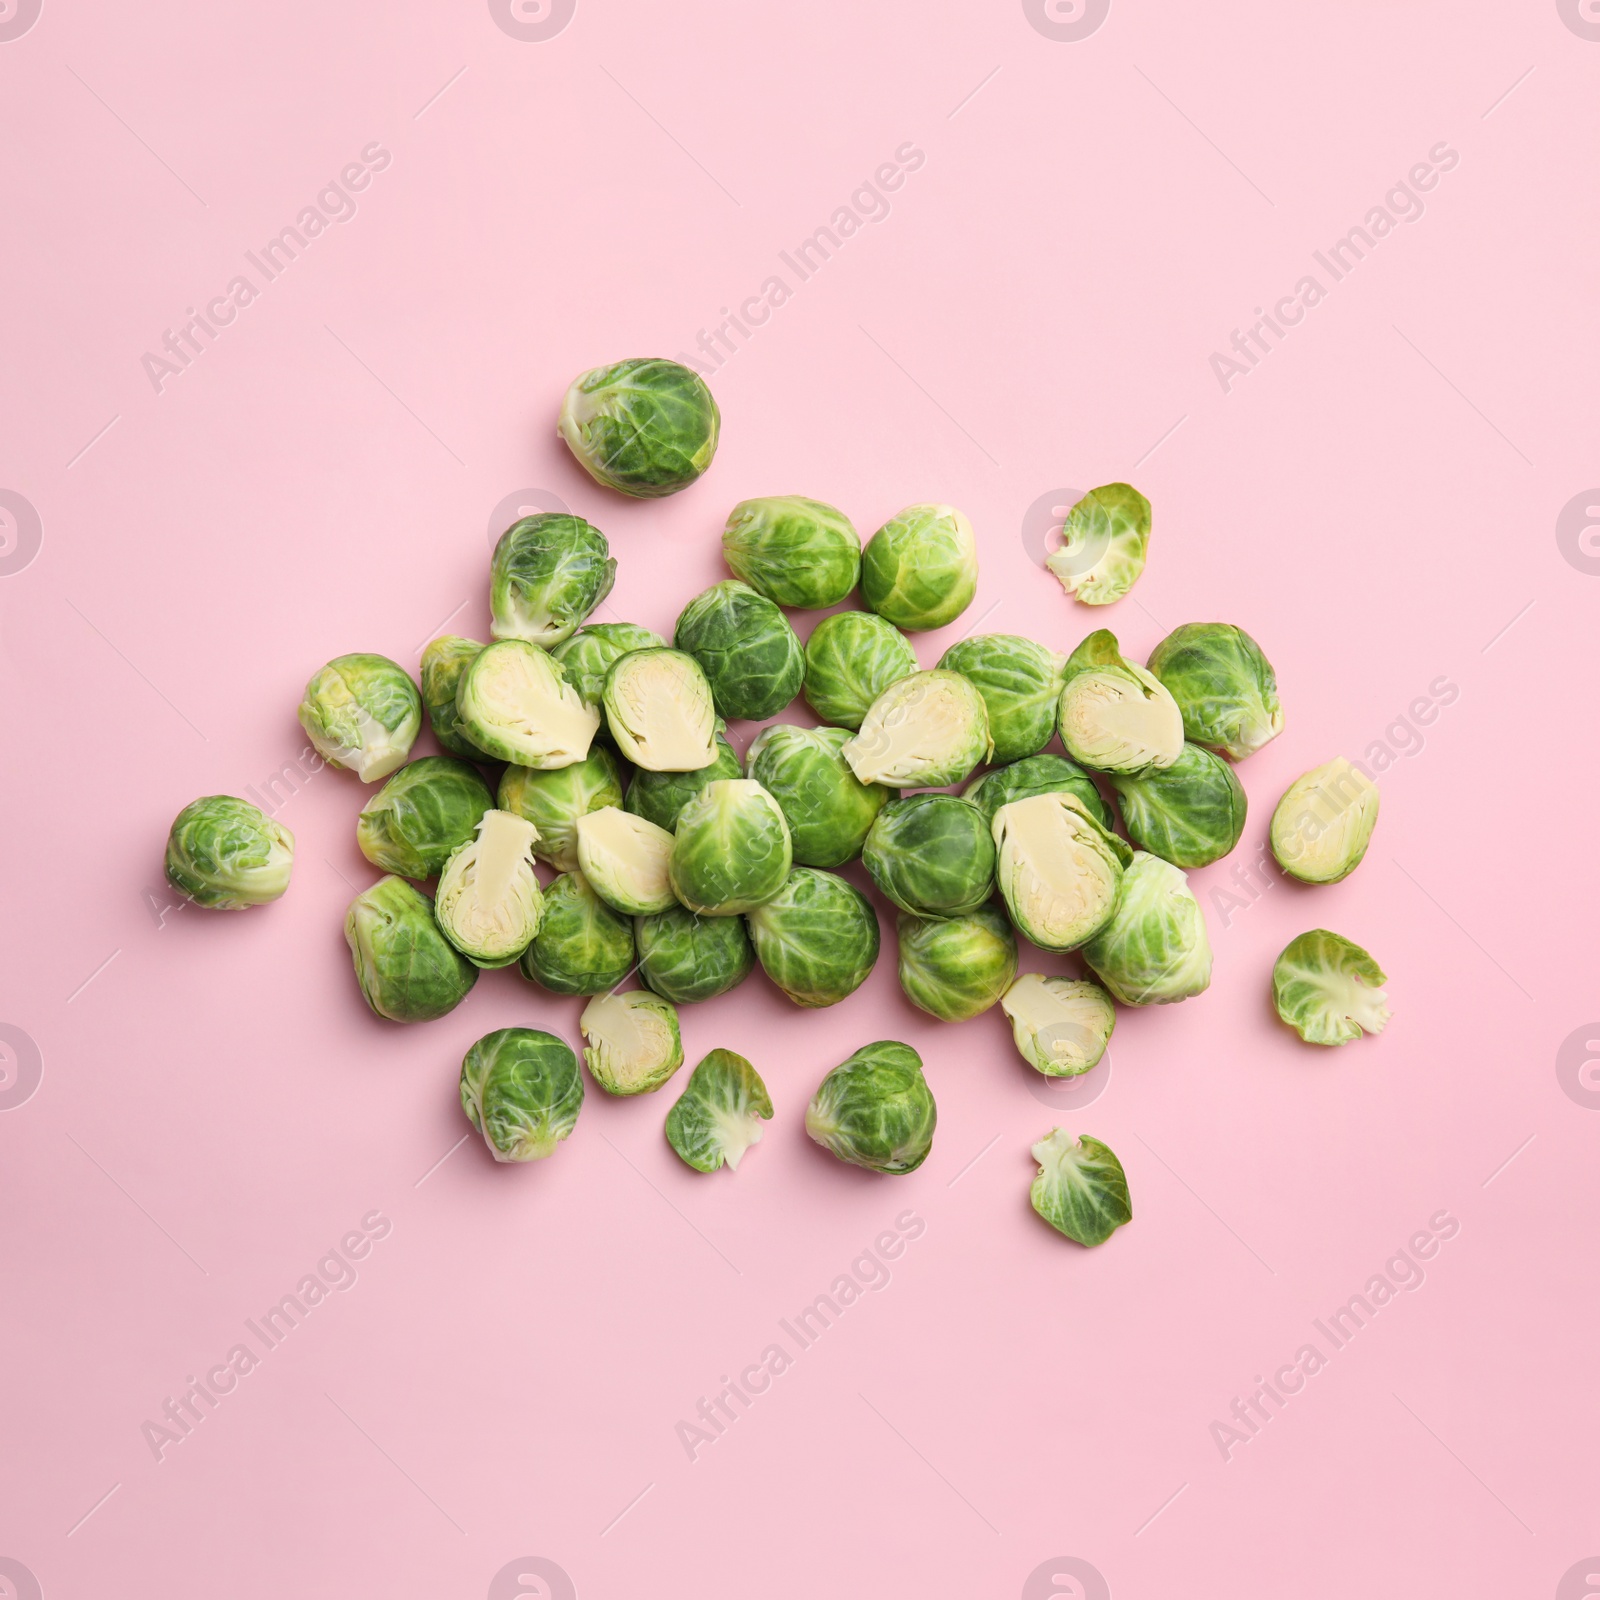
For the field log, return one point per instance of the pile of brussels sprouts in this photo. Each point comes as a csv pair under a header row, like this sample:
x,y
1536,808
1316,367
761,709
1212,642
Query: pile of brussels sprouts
x,y
597,750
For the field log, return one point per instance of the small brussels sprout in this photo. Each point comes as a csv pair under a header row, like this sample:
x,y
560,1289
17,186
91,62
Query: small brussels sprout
x,y
407,969
851,658
1328,989
645,427
522,1090
226,854
1324,822
1225,687
624,859
553,799
1042,774
732,849
1058,869
660,797
632,1040
827,807
746,649
658,708
1020,682
582,946
685,957
421,814
957,968
920,569
797,552
929,729
817,938
1190,813
1114,716
1081,1189
362,712
515,705
931,854
443,662
548,573
719,1114
1103,544
875,1110
1061,1025
1154,949
594,649
489,901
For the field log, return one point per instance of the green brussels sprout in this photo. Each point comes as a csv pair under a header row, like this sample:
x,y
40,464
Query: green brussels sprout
x,y
746,649
1081,1189
1190,813
594,649
732,851
685,957
1058,868
658,708
932,855
817,938
1329,990
827,807
1042,774
624,860
660,797
553,799
227,854
407,969
645,427
548,573
632,1041
515,705
1324,822
1224,686
719,1114
443,662
797,552
582,946
1154,949
875,1110
929,729
1114,716
421,814
959,967
522,1090
489,901
1020,682
362,712
1061,1025
851,658
1103,544
920,569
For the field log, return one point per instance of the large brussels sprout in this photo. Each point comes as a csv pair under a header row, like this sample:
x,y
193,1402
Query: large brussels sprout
x,y
515,705
1042,774
795,551
522,1090
1061,1025
1324,822
362,712
1329,990
421,814
1154,949
920,569
658,708
851,658
828,808
685,957
633,1044
443,662
582,946
1103,544
594,649
732,851
660,797
553,799
1020,682
959,967
646,427
875,1110
1114,716
929,729
719,1114
489,901
624,859
227,854
745,647
1081,1189
407,969
1225,687
548,573
932,854
1190,813
1058,868
817,938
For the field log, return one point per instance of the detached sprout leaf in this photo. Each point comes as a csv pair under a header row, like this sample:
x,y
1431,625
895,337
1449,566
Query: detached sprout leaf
x,y
720,1112
817,938
443,662
1324,822
489,902
658,708
1115,717
932,855
582,946
959,967
1081,1189
548,573
226,854
875,1110
624,858
421,814
797,552
1020,682
685,957
522,1090
923,731
516,705
1058,869
362,712
851,658
1190,813
1061,1025
633,1044
1103,544
920,569
828,808
1328,989
745,647
1225,687
408,971
553,799
1154,949
731,852
646,427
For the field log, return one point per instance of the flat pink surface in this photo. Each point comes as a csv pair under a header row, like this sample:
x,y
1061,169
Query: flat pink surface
x,y
1075,227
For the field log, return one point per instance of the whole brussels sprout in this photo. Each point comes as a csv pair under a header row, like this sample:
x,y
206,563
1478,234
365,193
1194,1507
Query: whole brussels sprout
x,y
1154,949
660,797
827,807
489,901
1103,544
658,708
443,662
875,1110
1190,813
719,1114
1329,990
851,658
624,859
1020,682
1224,686
633,1045
957,968
932,855
515,705
421,814
1058,869
582,946
731,852
817,938
746,649
407,969
645,427
1114,716
920,569
1081,1189
226,854
553,799
1324,822
548,573
1061,1025
594,649
522,1090
685,957
362,712
795,551
1042,774
929,729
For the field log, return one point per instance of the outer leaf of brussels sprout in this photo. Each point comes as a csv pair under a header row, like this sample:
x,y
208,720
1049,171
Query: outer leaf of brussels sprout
x,y
827,807
594,649
624,859
731,852
553,799
817,938
1190,813
932,855
1103,544
421,814
1081,1189
1324,822
633,1044
407,969
658,708
489,902
1328,989
875,1110
1114,716
685,957
795,551
1057,868
362,712
929,729
745,647
1020,682
660,797
851,658
957,968
1154,949
226,854
522,1090
1043,774
443,662
515,705
548,573
645,427
1061,1025
582,946
719,1114
920,569
1224,686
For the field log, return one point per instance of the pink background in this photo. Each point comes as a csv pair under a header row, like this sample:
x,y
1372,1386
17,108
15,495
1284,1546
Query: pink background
x,y
1377,502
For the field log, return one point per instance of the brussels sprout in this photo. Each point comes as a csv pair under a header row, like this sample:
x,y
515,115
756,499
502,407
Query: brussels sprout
x,y
553,799
1225,687
827,807
875,1110
624,859
1190,813
957,968
522,1090
646,427
685,957
660,797
1114,716
658,708
1081,1189
1061,1025
421,814
362,712
1324,822
407,969
593,650
515,705
1154,949
1057,868
1103,544
1020,682
548,573
719,1114
817,938
746,649
633,1045
1044,774
489,901
851,658
920,570
227,854
929,729
798,552
732,849
443,662
932,855
1328,989
582,946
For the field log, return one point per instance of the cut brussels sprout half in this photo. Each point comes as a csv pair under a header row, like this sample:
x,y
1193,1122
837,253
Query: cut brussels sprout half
x,y
931,854
624,858
658,707
1103,544
516,706
489,901
362,712
548,573
226,854
1224,686
719,1114
553,799
851,658
1058,869
522,1090
797,552
1324,822
731,852
594,649
1115,717
1020,682
421,814
408,971
582,946
959,967
1081,1189
660,797
686,958
929,729
875,1110
1042,774
745,647
1190,813
920,569
1329,990
1154,948
632,1041
1061,1025
817,938
645,427
443,662
828,808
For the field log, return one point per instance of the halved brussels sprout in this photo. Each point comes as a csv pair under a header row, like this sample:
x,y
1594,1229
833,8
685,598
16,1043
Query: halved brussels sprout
x,y
522,1090
685,957
929,729
1224,686
660,797
1058,869
1154,949
1020,682
594,649
553,799
658,708
1114,716
362,712
1324,822
582,946
932,854
1328,989
421,814
851,658
489,901
959,967
719,1114
745,647
624,859
548,573
407,969
1103,544
1061,1025
875,1110
817,938
226,854
1081,1189
1190,813
731,852
920,569
795,551
828,808
515,705
646,427
443,662
633,1044
1042,774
